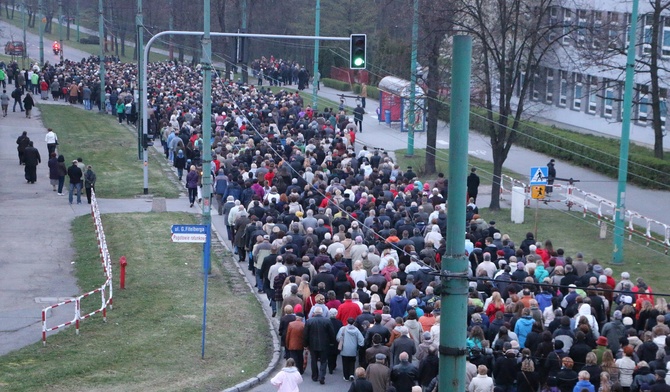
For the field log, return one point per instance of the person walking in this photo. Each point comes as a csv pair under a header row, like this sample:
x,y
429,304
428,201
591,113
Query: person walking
x,y
318,336
22,142
473,184
28,104
551,175
55,89
75,175
361,384
31,158
350,339
288,379
358,117
120,110
51,139
62,172
89,182
53,170
192,179
17,94
4,102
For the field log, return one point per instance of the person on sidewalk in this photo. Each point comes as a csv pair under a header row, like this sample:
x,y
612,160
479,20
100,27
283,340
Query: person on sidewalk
x,y
473,185
31,158
288,379
4,102
17,94
28,104
192,179
51,140
22,142
358,117
318,336
551,175
89,182
75,175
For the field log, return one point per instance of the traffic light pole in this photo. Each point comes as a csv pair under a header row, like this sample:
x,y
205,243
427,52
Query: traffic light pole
x,y
143,69
101,44
455,265
40,15
315,74
412,81
620,212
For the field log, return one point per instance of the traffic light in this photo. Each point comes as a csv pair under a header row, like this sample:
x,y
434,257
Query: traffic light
x,y
357,58
147,140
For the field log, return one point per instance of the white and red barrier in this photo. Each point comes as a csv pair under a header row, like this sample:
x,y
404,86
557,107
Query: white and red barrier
x,y
105,291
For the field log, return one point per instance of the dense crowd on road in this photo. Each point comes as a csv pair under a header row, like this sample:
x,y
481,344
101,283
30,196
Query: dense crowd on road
x,y
343,243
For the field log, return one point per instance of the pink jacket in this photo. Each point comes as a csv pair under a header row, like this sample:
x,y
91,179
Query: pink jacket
x,y
287,380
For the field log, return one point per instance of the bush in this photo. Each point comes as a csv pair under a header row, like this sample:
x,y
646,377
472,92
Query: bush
x,y
90,40
598,153
373,92
336,84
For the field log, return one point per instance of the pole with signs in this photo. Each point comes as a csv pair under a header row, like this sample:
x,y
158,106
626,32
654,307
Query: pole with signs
x,y
538,188
197,234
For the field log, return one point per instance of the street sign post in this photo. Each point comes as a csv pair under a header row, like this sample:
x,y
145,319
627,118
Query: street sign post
x,y
538,175
538,191
197,234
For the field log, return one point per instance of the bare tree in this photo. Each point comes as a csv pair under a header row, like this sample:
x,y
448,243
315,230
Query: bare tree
x,y
511,38
435,24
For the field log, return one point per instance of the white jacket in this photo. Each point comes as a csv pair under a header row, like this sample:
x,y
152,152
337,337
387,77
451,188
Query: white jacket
x,y
481,383
287,380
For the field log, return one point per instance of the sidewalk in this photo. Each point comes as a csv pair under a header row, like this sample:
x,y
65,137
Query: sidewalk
x,y
520,160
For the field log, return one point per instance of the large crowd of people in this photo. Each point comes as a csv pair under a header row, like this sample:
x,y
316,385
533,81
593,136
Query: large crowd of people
x,y
342,241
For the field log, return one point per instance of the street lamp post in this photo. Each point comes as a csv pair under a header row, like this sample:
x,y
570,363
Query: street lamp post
x,y
412,84
316,75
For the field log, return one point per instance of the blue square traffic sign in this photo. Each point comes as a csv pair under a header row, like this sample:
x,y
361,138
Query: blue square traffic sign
x,y
538,175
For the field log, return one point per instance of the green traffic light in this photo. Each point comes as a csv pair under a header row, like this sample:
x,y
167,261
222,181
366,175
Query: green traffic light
x,y
359,62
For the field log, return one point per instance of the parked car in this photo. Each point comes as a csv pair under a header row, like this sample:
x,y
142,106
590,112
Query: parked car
x,y
14,48
90,40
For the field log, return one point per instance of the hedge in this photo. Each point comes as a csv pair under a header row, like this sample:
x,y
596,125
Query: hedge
x,y
373,92
336,84
598,153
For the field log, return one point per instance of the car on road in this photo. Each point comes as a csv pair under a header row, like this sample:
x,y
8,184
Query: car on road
x,y
14,48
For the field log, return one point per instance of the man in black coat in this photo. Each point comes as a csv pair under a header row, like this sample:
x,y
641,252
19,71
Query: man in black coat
x,y
318,336
473,184
404,375
31,158
22,143
75,175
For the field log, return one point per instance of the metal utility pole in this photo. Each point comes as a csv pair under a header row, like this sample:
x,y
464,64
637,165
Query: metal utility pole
x,y
60,28
620,213
40,14
315,75
455,265
243,43
412,81
78,20
206,154
101,33
170,27
142,132
25,48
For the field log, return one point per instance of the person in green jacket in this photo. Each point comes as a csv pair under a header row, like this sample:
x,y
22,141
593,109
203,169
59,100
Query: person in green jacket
x,y
120,110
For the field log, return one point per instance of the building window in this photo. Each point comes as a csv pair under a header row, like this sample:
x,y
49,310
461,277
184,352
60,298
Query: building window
x,y
609,101
567,26
563,98
665,50
536,86
627,39
643,109
613,31
581,30
647,33
549,95
578,90
593,94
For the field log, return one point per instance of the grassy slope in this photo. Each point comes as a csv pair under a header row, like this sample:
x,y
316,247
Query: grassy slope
x,y
110,148
152,338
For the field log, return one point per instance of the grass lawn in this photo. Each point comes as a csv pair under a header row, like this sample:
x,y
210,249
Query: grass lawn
x,y
152,338
484,168
573,233
307,97
110,148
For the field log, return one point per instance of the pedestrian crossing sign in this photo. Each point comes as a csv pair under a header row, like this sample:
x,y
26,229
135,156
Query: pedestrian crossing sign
x,y
538,175
538,191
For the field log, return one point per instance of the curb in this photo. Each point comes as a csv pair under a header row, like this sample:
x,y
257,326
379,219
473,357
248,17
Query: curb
x,y
276,348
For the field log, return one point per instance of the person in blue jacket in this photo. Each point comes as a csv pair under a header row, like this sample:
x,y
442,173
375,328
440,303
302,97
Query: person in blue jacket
x,y
523,326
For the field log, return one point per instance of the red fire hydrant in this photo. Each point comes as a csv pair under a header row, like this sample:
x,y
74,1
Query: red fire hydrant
x,y
123,263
